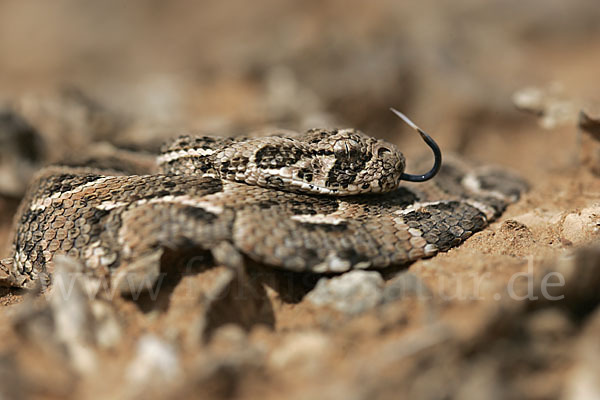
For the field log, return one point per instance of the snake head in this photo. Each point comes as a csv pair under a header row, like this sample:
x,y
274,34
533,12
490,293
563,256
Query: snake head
x,y
360,163
348,162
337,162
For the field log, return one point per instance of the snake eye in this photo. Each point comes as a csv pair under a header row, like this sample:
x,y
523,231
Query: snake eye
x,y
382,151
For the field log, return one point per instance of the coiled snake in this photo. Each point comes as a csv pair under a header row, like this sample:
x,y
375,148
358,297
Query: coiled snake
x,y
329,200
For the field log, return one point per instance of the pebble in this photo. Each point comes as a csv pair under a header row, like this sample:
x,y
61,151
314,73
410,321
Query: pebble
x,y
73,320
351,293
582,227
155,361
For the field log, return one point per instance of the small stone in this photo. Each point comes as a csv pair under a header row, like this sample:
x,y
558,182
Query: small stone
x,y
73,322
582,227
155,362
351,293
108,327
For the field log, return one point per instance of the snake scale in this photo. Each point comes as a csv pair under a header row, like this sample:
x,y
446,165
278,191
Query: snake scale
x,y
326,201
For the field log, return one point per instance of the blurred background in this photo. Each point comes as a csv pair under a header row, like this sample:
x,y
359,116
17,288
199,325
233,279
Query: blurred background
x,y
237,66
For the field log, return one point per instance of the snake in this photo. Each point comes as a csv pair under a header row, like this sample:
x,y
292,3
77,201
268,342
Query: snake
x,y
326,201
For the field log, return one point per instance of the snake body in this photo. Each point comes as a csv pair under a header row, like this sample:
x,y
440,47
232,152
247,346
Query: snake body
x,y
325,201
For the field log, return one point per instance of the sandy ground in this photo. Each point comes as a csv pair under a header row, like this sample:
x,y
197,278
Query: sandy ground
x,y
511,313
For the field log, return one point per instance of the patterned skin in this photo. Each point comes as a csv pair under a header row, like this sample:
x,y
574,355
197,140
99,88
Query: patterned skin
x,y
321,161
119,226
